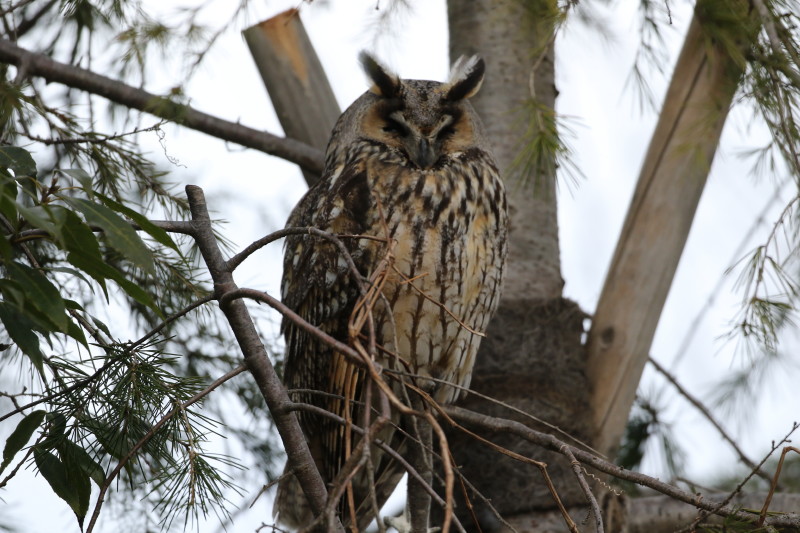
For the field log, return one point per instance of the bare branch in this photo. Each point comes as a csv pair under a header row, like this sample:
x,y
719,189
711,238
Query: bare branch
x,y
551,443
763,515
384,447
577,468
36,64
261,296
706,413
256,359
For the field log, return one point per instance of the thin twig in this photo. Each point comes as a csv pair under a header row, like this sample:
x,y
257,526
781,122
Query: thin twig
x,y
296,406
577,468
774,484
98,139
707,414
283,309
501,403
437,303
573,527
550,442
703,513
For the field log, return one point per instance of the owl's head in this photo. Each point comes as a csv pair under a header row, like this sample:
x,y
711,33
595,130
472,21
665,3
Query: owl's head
x,y
424,120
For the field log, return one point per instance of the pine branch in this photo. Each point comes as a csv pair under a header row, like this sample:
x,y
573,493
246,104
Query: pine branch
x,y
150,434
35,64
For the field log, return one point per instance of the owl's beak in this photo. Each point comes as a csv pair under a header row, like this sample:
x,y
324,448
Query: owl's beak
x,y
424,154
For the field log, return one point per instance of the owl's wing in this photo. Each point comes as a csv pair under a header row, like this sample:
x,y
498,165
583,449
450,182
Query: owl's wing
x,y
318,285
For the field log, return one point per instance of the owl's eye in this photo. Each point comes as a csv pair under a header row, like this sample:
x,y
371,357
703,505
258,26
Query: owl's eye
x,y
395,127
446,132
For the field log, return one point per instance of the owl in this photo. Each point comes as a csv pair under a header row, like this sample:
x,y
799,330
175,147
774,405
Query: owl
x,y
412,189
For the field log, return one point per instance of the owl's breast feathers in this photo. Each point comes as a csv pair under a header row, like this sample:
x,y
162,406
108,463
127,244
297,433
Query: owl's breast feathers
x,y
448,228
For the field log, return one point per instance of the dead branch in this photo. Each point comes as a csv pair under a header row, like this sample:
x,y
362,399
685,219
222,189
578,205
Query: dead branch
x,y
774,483
37,64
704,513
550,442
577,468
296,406
707,414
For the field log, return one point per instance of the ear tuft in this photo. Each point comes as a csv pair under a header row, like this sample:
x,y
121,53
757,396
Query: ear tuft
x,y
385,83
466,78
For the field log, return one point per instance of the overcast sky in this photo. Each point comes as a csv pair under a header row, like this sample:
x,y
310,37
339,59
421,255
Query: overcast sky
x,y
255,193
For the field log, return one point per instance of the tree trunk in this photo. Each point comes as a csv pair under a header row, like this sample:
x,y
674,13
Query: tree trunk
x,y
505,33
533,358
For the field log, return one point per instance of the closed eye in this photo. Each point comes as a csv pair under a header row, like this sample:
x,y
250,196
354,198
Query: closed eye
x,y
447,131
395,127
446,127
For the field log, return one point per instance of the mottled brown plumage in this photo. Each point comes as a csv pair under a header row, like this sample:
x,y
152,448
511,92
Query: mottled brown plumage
x,y
407,163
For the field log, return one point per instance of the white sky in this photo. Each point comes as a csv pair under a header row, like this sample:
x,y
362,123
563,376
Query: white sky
x,y
255,192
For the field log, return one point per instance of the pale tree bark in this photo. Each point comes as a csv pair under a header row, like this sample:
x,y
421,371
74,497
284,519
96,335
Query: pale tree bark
x,y
657,224
297,84
505,33
532,357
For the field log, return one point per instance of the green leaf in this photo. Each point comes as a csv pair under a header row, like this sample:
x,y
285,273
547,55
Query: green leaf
x,y
18,160
111,439
102,327
72,453
81,242
40,217
69,482
81,176
75,331
39,295
119,233
8,197
106,271
75,273
58,427
6,251
72,304
20,437
20,329
154,231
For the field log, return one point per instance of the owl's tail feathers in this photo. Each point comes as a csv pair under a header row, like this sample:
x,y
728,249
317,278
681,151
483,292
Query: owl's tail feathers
x,y
291,506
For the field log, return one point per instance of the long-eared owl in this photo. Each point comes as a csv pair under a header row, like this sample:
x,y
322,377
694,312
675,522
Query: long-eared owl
x,y
411,187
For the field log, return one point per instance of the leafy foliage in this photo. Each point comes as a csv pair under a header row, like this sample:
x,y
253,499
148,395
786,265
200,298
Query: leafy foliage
x,y
62,237
77,246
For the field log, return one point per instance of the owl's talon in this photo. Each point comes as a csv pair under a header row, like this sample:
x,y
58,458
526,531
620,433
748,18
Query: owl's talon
x,y
403,525
400,523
